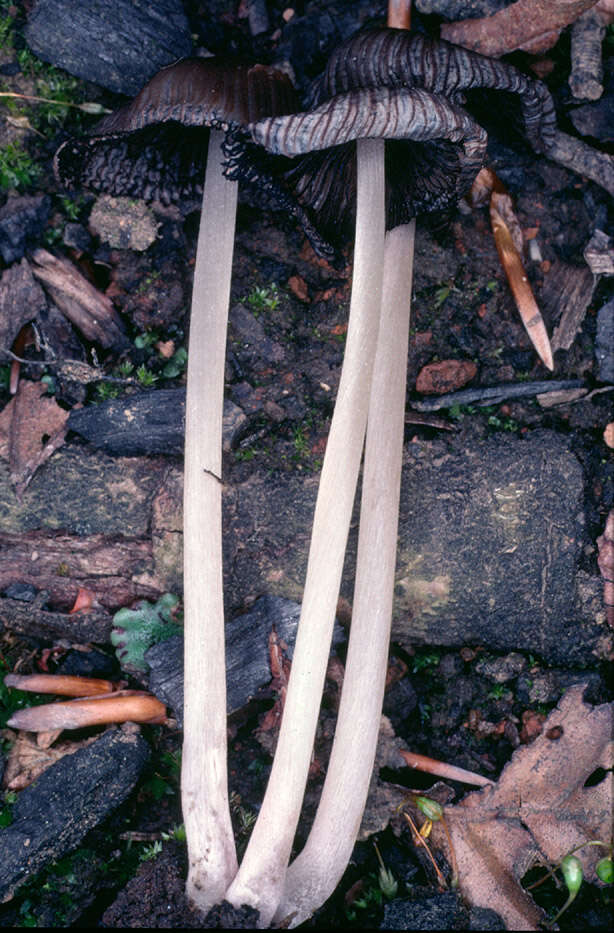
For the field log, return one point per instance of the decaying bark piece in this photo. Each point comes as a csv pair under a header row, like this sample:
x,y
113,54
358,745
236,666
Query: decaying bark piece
x,y
530,25
599,253
586,69
575,155
91,312
60,563
30,619
538,811
567,293
21,301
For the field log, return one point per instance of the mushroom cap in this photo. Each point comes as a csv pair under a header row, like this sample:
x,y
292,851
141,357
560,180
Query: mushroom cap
x,y
392,84
155,147
306,161
382,56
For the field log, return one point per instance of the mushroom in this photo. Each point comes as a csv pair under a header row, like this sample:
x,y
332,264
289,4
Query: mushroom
x,y
157,147
368,117
382,85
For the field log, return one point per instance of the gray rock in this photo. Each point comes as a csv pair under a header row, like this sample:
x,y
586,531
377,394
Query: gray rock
x,y
500,670
52,815
118,44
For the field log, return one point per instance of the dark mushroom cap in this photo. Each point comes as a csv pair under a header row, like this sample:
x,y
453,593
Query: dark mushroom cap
x,y
434,151
155,147
398,58
305,163
391,84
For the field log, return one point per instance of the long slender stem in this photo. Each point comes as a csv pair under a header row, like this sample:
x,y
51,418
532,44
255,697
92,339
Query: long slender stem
x,y
313,876
261,877
204,787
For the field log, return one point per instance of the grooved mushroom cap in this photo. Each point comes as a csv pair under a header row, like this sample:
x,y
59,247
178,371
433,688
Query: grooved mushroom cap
x,y
394,85
398,58
155,147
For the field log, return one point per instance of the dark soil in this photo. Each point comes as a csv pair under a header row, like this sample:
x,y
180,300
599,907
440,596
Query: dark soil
x,y
464,705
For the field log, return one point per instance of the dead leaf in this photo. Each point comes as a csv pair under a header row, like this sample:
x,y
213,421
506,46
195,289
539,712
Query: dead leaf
x,y
531,25
27,760
605,560
509,242
280,672
539,810
32,427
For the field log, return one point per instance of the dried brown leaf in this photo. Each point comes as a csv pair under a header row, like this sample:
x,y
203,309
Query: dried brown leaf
x,y
539,810
504,226
32,427
27,760
531,25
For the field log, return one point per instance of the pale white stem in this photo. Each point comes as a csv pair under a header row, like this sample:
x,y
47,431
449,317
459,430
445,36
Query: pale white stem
x,y
313,876
261,877
204,786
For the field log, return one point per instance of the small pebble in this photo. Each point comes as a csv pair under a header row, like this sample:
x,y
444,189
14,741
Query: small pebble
x,y
500,670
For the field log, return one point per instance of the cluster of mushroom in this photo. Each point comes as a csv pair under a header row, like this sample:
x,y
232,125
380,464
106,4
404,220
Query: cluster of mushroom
x,y
383,138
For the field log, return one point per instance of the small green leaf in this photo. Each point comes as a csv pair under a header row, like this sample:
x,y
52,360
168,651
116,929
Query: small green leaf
x,y
431,809
605,870
571,868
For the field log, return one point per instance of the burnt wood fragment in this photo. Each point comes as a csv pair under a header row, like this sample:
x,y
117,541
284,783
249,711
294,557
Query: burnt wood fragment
x,y
148,423
52,815
247,654
118,44
33,621
22,220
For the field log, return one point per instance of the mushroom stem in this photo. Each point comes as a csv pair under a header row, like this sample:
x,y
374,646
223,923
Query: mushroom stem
x,y
204,785
261,877
314,874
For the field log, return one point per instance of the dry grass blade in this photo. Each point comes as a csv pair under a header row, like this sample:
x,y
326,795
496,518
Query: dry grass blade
x,y
442,769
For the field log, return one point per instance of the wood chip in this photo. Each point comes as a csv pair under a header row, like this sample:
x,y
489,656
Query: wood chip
x,y
91,312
